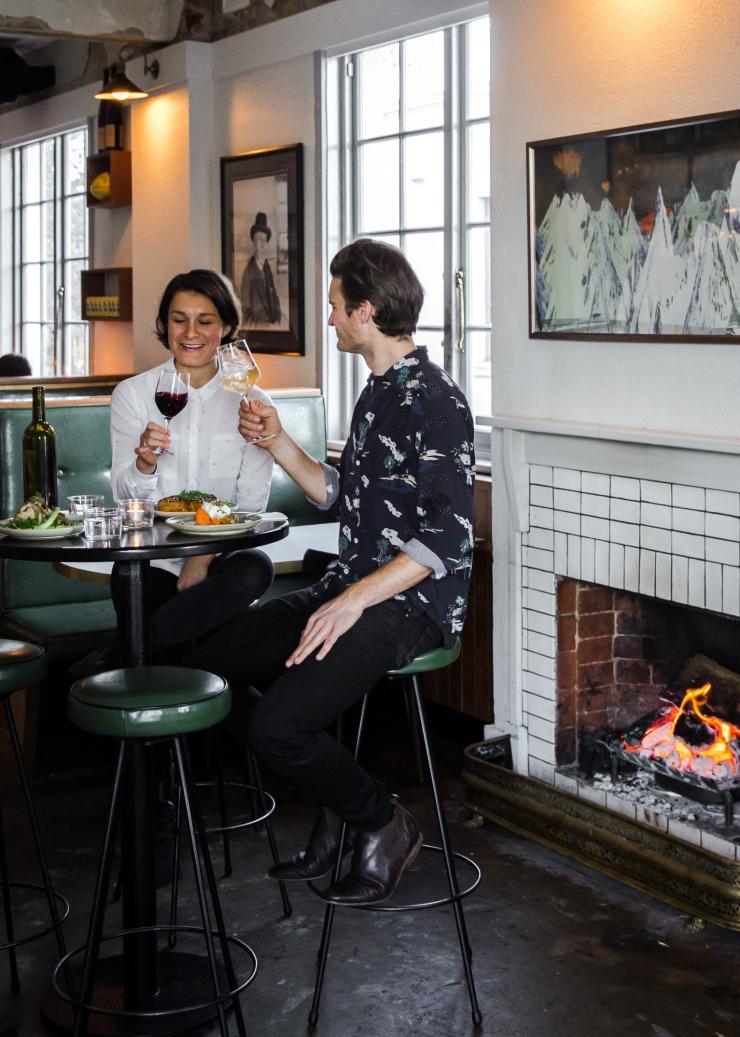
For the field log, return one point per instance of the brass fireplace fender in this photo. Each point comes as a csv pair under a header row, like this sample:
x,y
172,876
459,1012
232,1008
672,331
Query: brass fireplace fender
x,y
684,876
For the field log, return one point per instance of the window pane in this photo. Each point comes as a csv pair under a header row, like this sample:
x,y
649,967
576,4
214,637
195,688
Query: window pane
x,y
433,339
31,172
72,289
479,173
377,70
377,170
478,345
37,232
478,276
425,252
423,181
31,346
48,365
74,171
48,166
75,226
479,69
424,82
75,340
333,191
32,292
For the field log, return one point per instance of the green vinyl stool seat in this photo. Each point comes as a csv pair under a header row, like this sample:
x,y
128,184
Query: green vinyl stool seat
x,y
23,666
436,659
149,702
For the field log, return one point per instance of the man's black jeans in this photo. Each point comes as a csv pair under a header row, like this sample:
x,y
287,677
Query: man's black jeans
x,y
286,727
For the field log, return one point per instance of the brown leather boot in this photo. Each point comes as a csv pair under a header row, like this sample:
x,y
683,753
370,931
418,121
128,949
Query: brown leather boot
x,y
320,856
378,862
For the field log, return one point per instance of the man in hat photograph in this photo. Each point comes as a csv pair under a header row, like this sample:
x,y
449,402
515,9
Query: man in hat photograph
x,y
258,294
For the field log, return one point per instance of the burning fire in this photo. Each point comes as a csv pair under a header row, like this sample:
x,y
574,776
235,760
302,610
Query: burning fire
x,y
711,759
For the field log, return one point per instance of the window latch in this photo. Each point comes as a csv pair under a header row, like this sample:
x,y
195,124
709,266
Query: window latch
x,y
460,297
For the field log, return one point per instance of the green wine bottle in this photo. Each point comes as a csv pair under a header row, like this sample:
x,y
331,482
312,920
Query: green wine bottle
x,y
40,454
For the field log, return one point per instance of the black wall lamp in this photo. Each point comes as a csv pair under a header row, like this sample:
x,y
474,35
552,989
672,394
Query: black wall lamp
x,y
120,88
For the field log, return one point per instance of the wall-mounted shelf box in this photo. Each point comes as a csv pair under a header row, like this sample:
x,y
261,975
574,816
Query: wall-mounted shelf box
x,y
118,164
106,294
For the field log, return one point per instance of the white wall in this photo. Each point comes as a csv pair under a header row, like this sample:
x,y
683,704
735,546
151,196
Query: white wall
x,y
574,66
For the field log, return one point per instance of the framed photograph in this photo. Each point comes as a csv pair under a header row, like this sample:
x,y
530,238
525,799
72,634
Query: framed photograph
x,y
262,245
635,233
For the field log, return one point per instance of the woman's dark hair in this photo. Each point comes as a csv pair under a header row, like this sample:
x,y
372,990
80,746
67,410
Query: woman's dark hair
x,y
381,274
216,287
13,365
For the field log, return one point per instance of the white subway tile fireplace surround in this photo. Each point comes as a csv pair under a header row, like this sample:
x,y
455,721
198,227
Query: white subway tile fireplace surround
x,y
655,514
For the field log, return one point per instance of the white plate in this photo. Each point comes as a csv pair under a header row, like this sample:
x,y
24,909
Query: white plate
x,y
55,533
187,515
244,523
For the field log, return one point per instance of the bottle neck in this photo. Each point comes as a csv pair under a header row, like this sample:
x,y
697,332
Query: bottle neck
x,y
39,403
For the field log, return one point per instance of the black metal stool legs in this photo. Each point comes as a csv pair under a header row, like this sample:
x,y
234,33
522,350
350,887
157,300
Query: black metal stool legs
x,y
287,908
15,985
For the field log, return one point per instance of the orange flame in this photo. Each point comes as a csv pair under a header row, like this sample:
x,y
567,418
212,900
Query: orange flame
x,y
660,741
569,162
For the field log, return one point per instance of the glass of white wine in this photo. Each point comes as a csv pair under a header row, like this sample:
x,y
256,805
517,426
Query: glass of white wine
x,y
238,370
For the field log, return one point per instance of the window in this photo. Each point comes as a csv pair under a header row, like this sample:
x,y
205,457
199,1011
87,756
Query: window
x,y
408,162
50,246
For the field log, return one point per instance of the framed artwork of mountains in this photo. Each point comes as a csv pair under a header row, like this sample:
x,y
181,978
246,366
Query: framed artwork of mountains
x,y
635,233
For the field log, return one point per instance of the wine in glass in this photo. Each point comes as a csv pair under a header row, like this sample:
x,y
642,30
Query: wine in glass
x,y
170,396
238,371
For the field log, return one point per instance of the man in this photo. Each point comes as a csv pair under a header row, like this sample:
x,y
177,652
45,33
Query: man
x,y
404,497
258,294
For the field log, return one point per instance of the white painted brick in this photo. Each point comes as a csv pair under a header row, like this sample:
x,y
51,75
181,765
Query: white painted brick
x,y
541,771
567,500
689,497
601,562
539,537
616,566
592,795
680,579
540,580
539,602
631,569
561,553
591,504
541,664
565,781
724,527
535,558
713,575
541,474
663,576
655,515
624,510
594,482
723,502
714,844
647,572
620,806
587,560
681,830
574,557
627,488
655,492
541,643
688,521
730,590
539,621
696,583
538,706
722,551
655,539
541,750
540,516
541,496
624,533
544,729
652,817
598,528
687,544
525,575
566,478
567,522
542,686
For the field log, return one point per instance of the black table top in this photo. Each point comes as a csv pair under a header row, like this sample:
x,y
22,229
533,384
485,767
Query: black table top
x,y
161,541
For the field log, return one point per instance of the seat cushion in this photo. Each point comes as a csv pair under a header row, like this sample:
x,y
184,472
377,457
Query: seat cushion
x,y
148,701
437,659
21,666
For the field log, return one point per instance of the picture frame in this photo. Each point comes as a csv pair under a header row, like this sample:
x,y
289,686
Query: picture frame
x,y
262,245
634,233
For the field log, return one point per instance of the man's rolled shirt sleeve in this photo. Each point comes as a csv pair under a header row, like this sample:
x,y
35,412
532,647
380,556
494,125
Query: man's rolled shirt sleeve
x,y
331,480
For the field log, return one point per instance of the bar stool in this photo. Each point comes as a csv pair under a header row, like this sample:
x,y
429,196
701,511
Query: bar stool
x,y
24,666
156,703
436,659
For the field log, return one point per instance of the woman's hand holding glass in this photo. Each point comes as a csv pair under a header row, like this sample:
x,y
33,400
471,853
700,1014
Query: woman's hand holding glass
x,y
153,442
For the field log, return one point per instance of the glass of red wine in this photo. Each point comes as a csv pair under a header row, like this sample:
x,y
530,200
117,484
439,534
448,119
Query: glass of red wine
x,y
170,396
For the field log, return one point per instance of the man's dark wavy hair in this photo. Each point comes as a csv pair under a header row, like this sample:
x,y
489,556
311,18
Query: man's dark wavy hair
x,y
380,273
216,287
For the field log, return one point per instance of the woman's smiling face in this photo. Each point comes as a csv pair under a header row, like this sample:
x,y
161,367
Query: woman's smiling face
x,y
194,333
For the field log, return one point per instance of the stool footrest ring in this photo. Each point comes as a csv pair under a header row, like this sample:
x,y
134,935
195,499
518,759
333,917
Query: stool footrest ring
x,y
219,829
418,905
63,903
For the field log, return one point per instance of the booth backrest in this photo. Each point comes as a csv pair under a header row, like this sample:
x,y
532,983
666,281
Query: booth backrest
x,y
304,419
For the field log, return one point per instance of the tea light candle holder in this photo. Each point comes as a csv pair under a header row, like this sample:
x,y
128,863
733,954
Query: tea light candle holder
x,y
136,513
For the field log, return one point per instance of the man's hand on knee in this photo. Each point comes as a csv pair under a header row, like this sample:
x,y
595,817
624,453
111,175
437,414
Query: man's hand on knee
x,y
326,626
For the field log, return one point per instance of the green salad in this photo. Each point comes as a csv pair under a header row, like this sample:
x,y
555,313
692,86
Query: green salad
x,y
34,514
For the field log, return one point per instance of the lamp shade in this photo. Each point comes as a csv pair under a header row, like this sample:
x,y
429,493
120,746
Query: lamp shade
x,y
120,88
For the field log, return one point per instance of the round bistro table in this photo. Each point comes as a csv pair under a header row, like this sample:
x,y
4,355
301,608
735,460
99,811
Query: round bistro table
x,y
131,981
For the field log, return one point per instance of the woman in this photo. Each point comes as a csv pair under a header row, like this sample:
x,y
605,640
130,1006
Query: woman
x,y
197,312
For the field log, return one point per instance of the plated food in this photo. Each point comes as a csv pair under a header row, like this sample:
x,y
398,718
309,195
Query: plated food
x,y
239,522
35,519
185,501
215,513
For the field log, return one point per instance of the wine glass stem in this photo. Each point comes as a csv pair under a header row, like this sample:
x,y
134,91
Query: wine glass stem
x,y
160,449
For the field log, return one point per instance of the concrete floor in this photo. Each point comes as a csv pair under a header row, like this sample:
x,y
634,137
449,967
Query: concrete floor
x,y
559,951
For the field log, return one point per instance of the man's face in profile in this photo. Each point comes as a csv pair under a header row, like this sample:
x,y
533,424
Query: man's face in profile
x,y
260,245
